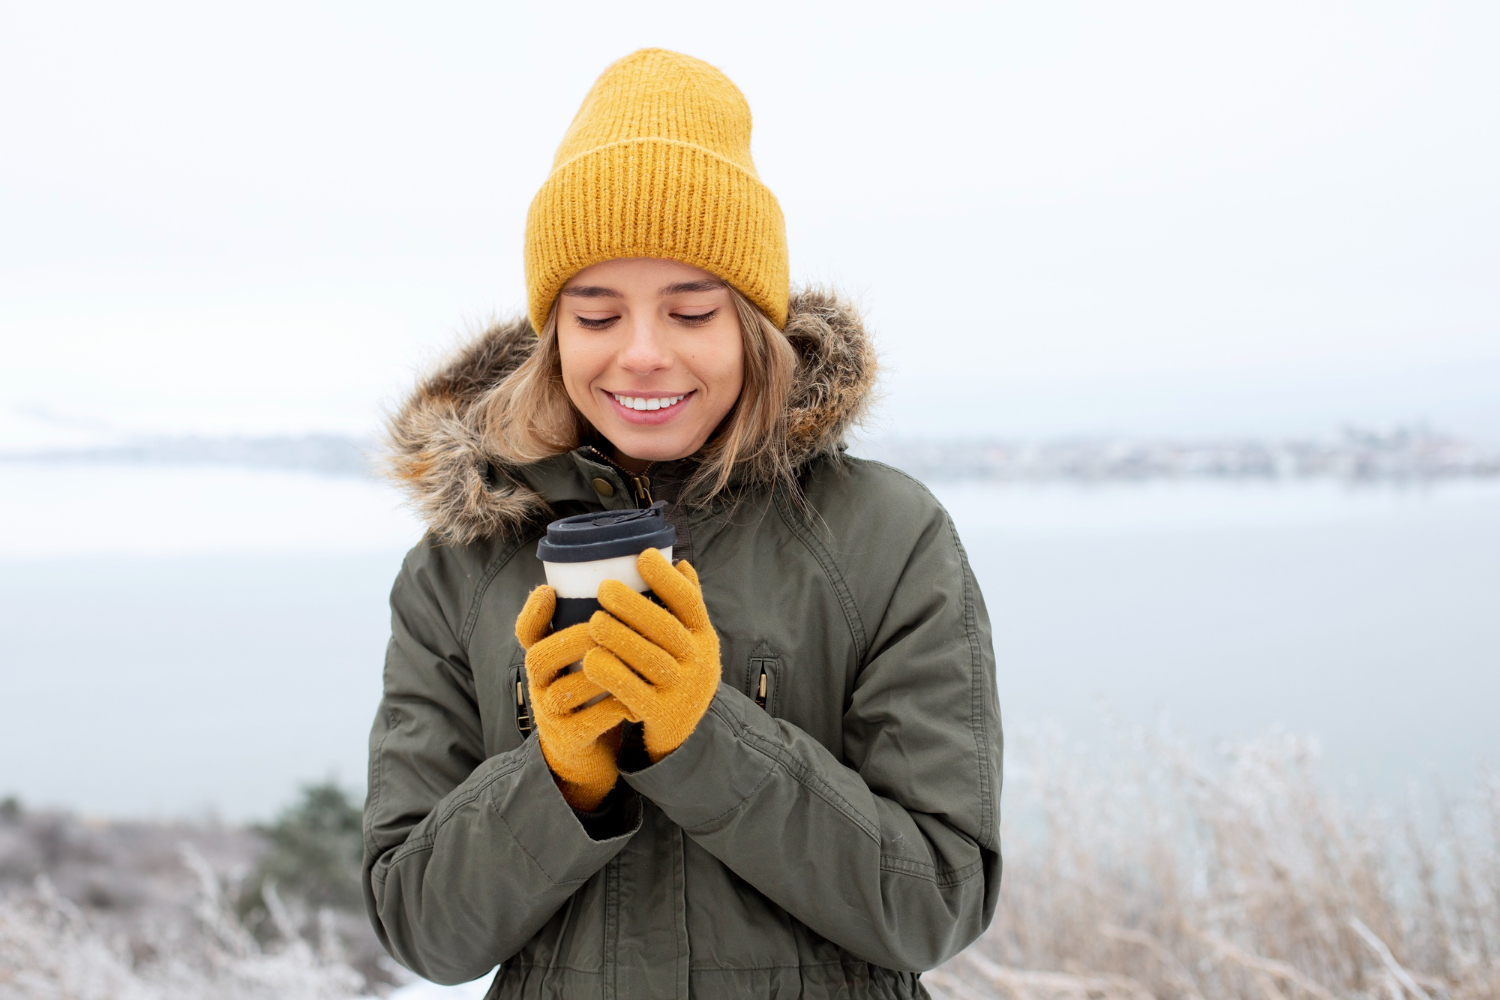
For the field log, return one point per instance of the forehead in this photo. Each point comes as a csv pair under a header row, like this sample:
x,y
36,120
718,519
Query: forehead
x,y
641,274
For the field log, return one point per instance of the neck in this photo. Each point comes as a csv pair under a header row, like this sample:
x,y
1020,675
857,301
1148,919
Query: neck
x,y
624,461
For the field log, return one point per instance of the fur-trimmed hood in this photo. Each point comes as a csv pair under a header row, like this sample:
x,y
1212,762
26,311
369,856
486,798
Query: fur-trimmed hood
x,y
436,452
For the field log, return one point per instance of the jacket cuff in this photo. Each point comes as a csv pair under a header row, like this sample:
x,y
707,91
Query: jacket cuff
x,y
549,831
717,768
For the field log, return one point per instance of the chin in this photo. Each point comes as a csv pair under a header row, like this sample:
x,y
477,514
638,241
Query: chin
x,y
651,448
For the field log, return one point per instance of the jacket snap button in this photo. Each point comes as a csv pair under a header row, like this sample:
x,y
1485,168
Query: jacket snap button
x,y
603,487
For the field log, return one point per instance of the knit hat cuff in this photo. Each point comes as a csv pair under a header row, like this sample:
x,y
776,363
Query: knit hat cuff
x,y
657,198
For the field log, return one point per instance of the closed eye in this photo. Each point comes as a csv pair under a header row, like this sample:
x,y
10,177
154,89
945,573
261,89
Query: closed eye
x,y
594,324
697,320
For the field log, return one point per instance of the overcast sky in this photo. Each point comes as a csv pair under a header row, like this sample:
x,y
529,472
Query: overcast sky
x,y
1059,217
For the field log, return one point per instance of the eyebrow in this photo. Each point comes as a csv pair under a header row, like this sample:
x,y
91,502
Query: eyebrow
x,y
681,288
701,285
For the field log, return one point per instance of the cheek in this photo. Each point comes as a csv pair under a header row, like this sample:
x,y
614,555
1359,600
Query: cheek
x,y
734,378
579,367
727,366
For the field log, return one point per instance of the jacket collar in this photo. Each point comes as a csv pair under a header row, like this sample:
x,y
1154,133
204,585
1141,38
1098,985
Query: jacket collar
x,y
436,452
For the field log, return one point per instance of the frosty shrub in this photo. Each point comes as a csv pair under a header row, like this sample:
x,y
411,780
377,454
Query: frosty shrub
x,y
1142,871
51,948
149,909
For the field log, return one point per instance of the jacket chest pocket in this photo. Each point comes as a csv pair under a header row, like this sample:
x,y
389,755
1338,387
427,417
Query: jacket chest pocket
x,y
763,678
504,704
520,700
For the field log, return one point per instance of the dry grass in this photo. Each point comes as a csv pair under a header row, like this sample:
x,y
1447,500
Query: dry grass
x,y
1159,876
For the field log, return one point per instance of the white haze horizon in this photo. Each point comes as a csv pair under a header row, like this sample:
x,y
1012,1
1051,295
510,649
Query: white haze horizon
x,y
1059,219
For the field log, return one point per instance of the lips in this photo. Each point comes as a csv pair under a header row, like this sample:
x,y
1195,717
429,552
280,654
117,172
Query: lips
x,y
657,408
648,403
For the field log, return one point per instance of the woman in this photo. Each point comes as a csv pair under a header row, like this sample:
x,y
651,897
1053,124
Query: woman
x,y
787,782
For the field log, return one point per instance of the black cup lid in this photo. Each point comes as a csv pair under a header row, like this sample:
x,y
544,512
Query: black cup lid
x,y
606,534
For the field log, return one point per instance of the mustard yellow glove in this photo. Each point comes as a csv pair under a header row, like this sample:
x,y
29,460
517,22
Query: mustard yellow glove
x,y
579,740
663,664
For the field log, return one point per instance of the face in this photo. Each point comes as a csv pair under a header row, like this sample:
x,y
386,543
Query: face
x,y
651,355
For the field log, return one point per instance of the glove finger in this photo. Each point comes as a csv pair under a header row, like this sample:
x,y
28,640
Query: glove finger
x,y
599,718
683,595
647,659
646,616
567,694
651,621
575,730
609,672
551,654
535,620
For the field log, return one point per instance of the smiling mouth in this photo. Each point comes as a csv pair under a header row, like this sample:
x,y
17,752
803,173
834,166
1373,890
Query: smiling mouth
x,y
648,403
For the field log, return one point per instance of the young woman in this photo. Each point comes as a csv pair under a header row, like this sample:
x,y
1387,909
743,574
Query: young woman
x,y
786,781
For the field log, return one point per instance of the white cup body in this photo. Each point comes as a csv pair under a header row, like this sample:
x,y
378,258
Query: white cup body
x,y
582,579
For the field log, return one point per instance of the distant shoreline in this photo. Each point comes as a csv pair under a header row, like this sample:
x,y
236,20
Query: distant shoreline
x,y
1404,454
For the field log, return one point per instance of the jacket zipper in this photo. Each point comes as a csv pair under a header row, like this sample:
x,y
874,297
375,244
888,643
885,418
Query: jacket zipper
x,y
760,693
640,483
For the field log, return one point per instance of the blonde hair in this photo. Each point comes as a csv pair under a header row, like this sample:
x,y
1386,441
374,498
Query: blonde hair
x,y
528,416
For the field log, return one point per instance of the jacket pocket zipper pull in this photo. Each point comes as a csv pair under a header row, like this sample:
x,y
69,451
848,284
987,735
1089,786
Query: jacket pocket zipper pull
x,y
523,717
760,694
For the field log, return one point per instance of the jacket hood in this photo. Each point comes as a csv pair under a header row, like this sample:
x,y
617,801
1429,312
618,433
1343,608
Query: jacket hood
x,y
437,454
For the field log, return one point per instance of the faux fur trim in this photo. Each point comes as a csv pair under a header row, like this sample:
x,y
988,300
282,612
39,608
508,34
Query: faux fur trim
x,y
435,451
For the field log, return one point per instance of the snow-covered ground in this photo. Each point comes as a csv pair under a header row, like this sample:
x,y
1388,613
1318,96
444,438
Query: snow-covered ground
x,y
432,991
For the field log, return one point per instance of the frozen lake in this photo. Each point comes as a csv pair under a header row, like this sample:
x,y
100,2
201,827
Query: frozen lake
x,y
188,641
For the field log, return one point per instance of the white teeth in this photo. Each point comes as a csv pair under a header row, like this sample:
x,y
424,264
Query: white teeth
x,y
655,403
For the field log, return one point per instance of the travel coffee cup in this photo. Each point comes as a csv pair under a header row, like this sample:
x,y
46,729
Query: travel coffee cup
x,y
583,551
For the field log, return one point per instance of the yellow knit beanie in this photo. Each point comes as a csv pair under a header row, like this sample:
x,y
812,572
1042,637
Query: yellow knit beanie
x,y
657,164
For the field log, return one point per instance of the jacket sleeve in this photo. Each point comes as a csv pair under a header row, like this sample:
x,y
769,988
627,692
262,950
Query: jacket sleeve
x,y
894,856
465,857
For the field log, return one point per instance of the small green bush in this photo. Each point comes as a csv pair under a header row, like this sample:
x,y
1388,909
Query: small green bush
x,y
315,852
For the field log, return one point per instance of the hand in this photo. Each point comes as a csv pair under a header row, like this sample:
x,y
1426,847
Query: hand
x,y
579,740
662,664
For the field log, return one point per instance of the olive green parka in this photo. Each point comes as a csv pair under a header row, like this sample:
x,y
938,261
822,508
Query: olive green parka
x,y
829,829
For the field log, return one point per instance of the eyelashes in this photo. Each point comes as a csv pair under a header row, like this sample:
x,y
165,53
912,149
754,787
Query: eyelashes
x,y
687,320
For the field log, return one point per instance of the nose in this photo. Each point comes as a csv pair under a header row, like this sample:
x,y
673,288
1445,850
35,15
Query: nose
x,y
644,352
